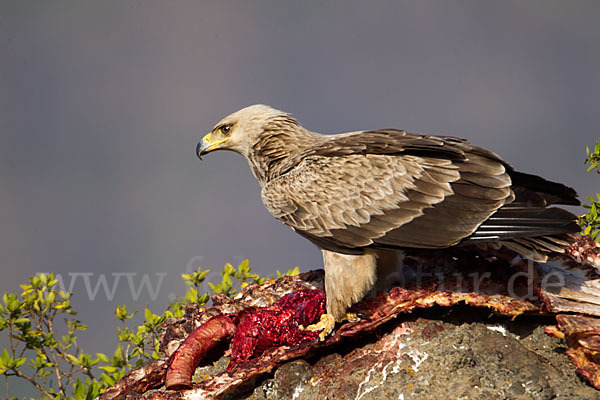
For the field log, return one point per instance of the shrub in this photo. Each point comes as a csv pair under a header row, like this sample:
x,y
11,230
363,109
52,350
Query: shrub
x,y
590,222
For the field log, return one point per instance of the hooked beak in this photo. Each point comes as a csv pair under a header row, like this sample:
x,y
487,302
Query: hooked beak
x,y
207,144
204,146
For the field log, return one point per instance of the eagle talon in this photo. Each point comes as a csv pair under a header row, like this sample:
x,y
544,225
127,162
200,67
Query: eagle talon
x,y
361,317
353,317
325,325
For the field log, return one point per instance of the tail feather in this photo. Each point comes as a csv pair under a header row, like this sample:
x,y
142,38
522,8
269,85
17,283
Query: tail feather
x,y
527,187
519,222
527,225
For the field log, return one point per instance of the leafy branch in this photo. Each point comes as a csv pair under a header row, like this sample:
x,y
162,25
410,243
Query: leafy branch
x,y
37,352
590,222
593,159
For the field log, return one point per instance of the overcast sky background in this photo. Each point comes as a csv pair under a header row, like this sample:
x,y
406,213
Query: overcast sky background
x,y
102,104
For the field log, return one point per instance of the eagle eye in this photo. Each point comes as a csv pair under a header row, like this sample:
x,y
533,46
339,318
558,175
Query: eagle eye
x,y
225,129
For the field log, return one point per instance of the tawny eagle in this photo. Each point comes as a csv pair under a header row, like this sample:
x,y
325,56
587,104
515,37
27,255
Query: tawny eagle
x,y
357,194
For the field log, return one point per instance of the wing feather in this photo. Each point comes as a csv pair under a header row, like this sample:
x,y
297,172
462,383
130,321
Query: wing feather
x,y
393,189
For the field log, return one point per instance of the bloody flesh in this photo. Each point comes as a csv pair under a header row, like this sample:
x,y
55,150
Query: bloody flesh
x,y
278,325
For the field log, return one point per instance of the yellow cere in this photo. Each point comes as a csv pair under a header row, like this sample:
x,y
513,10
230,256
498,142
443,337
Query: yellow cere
x,y
207,139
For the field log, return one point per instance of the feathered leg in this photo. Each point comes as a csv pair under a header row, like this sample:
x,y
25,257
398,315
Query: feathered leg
x,y
348,278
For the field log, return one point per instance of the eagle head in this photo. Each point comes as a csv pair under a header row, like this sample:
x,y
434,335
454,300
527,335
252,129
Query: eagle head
x,y
239,131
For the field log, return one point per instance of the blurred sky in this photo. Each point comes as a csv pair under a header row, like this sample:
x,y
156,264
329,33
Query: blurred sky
x,y
102,104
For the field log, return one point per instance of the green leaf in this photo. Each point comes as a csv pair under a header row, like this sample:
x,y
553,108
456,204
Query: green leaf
x,y
201,275
6,360
118,354
227,283
73,360
50,298
228,270
13,304
102,357
203,300
108,379
244,267
121,312
124,335
108,368
62,305
80,390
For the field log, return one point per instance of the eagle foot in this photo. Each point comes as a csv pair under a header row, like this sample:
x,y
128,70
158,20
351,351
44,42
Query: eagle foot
x,y
325,325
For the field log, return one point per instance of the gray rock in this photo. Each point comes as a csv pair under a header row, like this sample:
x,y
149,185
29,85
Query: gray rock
x,y
436,359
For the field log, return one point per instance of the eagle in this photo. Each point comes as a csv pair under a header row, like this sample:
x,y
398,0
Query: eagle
x,y
360,194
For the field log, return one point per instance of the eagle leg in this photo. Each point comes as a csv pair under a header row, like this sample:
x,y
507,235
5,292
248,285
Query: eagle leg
x,y
348,278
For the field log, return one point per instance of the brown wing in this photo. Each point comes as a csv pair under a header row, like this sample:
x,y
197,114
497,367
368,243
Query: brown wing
x,y
389,189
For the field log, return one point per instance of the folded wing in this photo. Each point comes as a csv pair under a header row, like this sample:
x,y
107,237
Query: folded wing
x,y
391,189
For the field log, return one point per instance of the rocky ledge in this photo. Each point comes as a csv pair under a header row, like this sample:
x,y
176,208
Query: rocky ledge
x,y
493,327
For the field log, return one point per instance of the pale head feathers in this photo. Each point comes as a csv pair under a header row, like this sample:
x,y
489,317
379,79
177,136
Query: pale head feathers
x,y
249,124
266,137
